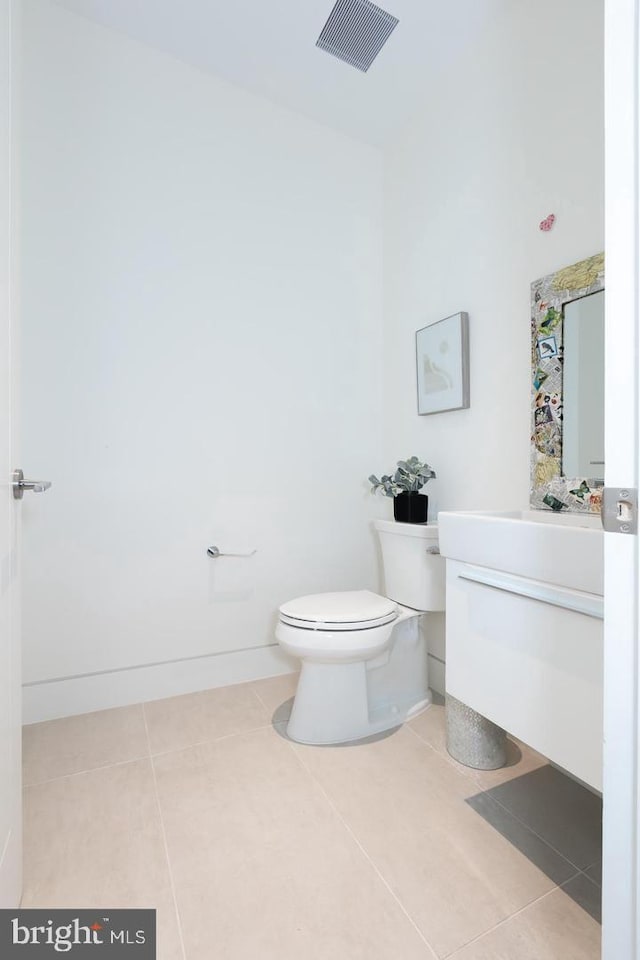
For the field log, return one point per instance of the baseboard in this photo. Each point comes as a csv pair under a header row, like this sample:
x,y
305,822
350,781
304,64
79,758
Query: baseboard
x,y
64,698
11,868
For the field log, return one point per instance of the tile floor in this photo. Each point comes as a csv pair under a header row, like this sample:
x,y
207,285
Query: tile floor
x,y
255,848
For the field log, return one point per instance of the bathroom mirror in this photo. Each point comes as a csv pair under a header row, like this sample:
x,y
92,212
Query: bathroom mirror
x,y
567,388
583,387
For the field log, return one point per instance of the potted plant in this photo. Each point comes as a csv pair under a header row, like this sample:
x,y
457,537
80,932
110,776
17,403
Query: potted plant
x,y
409,505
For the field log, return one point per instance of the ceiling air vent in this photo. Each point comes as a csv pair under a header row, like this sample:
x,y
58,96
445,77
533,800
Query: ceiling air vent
x,y
356,32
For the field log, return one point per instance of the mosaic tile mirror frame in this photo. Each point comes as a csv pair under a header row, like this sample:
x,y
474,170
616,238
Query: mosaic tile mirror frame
x,y
550,489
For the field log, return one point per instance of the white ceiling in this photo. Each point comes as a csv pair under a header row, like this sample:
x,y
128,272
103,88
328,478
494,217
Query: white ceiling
x,y
268,47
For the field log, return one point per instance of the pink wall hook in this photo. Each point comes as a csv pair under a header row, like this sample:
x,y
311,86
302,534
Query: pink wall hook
x,y
548,223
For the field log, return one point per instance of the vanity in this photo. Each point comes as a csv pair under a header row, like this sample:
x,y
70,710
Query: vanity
x,y
525,587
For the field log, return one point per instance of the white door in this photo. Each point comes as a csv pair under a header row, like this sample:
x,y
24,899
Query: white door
x,y
10,778
620,931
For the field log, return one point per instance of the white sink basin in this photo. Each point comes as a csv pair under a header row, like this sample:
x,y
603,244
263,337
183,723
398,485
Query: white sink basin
x,y
566,549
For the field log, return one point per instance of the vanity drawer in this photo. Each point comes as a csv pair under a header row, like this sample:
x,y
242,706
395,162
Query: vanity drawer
x,y
529,658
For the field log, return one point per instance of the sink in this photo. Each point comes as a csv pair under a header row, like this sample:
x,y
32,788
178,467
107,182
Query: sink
x,y
563,549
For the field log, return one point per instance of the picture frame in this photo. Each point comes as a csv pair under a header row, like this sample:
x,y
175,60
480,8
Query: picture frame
x,y
442,365
547,347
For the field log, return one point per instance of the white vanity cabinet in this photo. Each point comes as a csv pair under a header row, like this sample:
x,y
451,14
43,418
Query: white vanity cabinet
x,y
525,630
525,587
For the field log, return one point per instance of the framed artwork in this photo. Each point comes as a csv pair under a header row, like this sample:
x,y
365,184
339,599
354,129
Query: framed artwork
x,y
547,347
442,358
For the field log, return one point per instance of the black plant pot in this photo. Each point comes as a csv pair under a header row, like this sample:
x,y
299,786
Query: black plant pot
x,y
411,507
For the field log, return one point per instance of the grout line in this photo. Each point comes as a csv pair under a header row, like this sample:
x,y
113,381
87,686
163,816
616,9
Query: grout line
x,y
164,839
262,702
512,916
79,773
595,883
202,743
570,880
444,755
361,848
259,698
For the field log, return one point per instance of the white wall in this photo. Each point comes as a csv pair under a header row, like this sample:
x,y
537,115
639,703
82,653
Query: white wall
x,y
202,344
513,133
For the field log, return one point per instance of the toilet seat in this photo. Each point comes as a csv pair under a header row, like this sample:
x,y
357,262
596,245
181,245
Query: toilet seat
x,y
346,610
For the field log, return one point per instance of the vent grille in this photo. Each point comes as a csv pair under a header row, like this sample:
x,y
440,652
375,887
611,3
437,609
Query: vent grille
x,y
356,32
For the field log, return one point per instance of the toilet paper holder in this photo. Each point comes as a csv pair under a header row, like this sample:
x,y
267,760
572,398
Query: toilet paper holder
x,y
215,552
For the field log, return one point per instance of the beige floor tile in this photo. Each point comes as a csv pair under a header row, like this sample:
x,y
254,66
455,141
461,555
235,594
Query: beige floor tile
x,y
459,862
430,726
264,868
555,928
277,694
95,840
74,744
196,717
561,811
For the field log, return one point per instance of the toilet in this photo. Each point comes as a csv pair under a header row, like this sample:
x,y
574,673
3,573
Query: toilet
x,y
364,656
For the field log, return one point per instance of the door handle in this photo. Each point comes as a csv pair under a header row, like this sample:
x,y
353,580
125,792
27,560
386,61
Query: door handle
x,y
20,485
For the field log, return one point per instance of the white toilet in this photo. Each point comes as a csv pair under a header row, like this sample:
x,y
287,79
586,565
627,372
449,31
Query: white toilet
x,y
364,657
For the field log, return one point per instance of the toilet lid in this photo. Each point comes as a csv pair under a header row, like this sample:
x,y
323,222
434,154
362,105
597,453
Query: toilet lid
x,y
347,610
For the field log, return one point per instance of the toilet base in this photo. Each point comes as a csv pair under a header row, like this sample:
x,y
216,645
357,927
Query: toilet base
x,y
332,704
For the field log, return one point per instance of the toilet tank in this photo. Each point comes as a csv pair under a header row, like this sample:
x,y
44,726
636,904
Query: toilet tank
x,y
414,575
